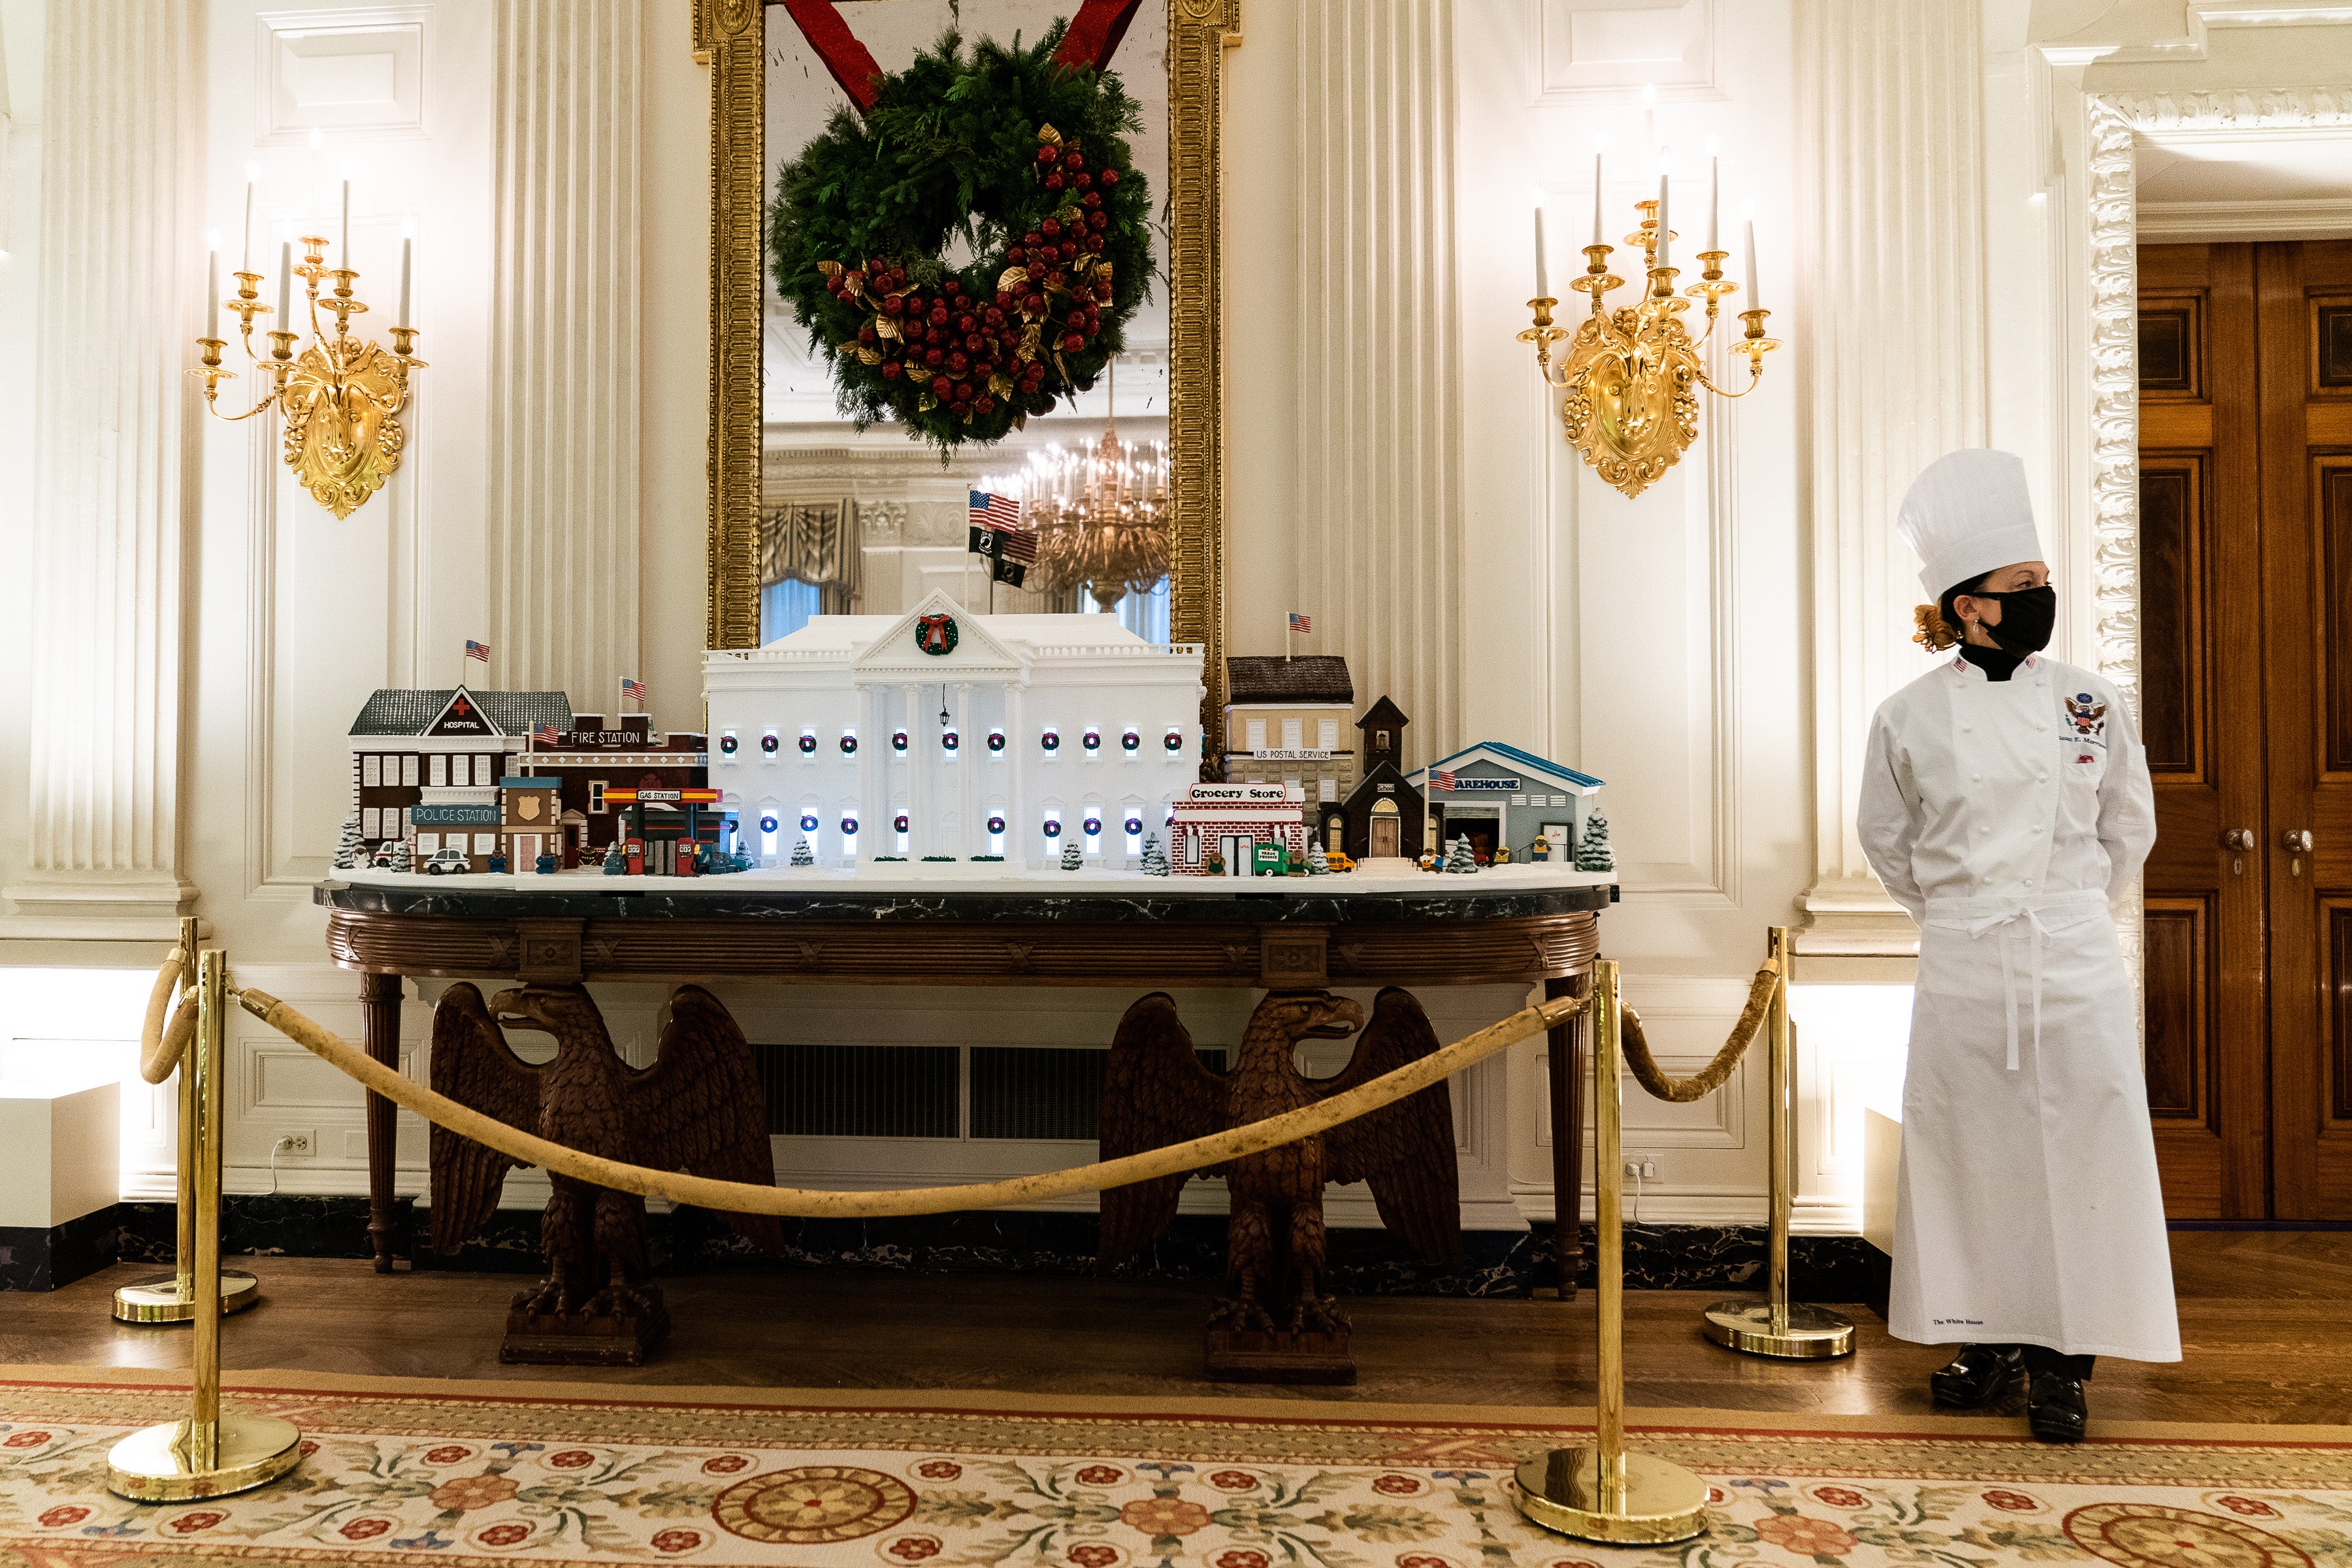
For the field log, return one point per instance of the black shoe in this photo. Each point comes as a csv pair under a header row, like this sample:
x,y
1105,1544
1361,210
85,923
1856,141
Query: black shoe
x,y
2054,1408
1977,1375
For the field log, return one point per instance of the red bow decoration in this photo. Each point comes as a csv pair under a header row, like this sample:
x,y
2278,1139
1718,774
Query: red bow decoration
x,y
1094,35
933,636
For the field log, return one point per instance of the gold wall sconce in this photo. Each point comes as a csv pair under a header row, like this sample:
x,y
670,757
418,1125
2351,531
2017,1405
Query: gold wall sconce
x,y
340,399
1630,374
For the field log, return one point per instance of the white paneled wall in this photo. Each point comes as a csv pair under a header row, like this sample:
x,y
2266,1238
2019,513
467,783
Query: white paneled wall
x,y
562,547
121,265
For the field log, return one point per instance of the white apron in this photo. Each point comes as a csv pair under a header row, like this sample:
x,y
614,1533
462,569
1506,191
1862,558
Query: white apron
x,y
2005,814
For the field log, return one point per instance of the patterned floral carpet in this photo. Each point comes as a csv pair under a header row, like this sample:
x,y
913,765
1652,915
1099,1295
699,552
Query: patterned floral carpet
x,y
401,1471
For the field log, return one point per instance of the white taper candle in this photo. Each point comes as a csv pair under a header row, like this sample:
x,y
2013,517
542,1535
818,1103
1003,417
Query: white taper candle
x,y
286,287
1596,198
1663,231
402,319
252,178
1754,295
1543,281
1714,198
347,217
212,287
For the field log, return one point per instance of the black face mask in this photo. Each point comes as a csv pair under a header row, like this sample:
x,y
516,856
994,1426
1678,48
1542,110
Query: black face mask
x,y
2027,616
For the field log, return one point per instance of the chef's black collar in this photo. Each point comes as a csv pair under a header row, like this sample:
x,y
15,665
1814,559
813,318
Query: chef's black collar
x,y
1999,664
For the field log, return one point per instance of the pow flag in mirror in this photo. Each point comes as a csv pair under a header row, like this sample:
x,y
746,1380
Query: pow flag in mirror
x,y
997,535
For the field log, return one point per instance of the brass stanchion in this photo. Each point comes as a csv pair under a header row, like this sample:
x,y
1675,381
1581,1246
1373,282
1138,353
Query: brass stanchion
x,y
212,1453
1602,1492
170,1297
1777,1326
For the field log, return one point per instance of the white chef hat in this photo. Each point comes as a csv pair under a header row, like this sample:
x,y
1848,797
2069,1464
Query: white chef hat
x,y
1967,513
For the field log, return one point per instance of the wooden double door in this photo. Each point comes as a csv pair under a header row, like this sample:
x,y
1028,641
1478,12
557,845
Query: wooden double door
x,y
2245,363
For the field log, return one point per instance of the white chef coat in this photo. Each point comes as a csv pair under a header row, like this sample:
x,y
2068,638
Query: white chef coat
x,y
2006,815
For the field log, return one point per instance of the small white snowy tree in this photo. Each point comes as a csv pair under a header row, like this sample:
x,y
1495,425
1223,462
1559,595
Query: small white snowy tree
x,y
1072,857
348,849
1592,851
1460,861
1318,863
403,859
802,856
1155,858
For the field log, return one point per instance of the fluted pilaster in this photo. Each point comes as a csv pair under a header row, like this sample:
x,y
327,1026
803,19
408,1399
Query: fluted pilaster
x,y
1893,237
120,274
1381,507
563,536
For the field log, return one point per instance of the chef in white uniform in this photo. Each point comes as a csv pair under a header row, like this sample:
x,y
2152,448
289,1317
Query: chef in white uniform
x,y
2005,803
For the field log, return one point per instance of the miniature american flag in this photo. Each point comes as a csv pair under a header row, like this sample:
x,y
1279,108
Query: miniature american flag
x,y
547,734
1445,780
633,691
994,511
480,651
1302,625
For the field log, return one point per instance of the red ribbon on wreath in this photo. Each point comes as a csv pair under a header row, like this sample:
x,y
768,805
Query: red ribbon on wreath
x,y
1094,35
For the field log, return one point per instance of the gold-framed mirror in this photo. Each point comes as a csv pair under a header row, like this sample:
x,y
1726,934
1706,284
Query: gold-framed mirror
x,y
778,485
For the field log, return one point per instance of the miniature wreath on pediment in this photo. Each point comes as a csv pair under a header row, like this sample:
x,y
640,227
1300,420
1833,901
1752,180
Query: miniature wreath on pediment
x,y
1020,158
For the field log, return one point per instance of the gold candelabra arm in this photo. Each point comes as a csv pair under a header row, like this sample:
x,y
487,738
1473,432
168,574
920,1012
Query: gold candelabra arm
x,y
248,305
1543,334
1712,286
1755,345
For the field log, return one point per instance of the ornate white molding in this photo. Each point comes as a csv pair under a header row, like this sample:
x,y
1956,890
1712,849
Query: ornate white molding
x,y
1378,553
1893,233
121,248
2115,398
2208,222
563,547
2163,115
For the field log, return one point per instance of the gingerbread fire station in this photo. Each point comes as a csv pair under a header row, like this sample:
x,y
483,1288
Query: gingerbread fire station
x,y
941,734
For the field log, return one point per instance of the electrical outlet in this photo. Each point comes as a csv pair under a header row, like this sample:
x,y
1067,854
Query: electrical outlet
x,y
295,1142
1645,1169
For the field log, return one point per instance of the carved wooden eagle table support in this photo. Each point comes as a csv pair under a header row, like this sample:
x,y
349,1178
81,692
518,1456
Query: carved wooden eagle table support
x,y
697,1108
1276,1323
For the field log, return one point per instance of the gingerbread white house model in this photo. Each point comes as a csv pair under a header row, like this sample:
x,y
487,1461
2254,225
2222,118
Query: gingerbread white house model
x,y
940,734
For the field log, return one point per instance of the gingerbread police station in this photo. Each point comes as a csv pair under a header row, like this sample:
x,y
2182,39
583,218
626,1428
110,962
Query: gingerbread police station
x,y
941,734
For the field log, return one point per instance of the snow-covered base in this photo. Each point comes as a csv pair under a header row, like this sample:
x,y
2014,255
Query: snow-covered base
x,y
987,877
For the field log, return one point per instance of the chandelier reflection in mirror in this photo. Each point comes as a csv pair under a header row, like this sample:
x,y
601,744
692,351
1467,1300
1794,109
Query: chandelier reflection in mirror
x,y
1630,376
1101,513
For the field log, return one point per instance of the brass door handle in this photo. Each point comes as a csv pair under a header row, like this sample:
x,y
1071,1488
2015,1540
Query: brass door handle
x,y
2296,838
2238,838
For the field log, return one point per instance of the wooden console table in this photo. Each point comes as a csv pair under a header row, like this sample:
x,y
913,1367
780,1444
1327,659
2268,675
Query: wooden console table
x,y
1022,935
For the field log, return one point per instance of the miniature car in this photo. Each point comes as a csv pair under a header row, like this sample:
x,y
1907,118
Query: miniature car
x,y
448,863
1339,862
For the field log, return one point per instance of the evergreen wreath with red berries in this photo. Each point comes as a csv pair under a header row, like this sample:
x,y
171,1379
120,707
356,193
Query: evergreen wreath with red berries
x,y
1021,158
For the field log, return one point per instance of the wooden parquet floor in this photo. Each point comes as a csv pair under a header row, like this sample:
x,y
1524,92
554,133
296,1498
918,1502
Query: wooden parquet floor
x,y
2263,1319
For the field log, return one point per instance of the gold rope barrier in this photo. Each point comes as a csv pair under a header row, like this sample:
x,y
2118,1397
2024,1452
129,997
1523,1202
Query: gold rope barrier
x,y
1710,1077
808,1202
1776,1326
172,1298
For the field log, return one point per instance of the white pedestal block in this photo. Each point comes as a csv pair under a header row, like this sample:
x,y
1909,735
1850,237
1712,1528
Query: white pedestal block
x,y
1881,1156
63,1144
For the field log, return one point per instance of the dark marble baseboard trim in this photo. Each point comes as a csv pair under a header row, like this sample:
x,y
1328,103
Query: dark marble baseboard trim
x,y
35,1257
1834,1268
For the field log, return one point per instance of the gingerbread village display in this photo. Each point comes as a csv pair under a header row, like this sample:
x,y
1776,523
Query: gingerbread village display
x,y
945,742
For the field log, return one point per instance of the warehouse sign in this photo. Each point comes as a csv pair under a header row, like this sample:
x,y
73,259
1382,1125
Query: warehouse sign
x,y
1459,785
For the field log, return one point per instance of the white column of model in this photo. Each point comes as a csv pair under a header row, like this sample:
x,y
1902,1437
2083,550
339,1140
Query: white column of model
x,y
564,389
919,834
874,834
1017,809
1892,235
960,838
121,303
